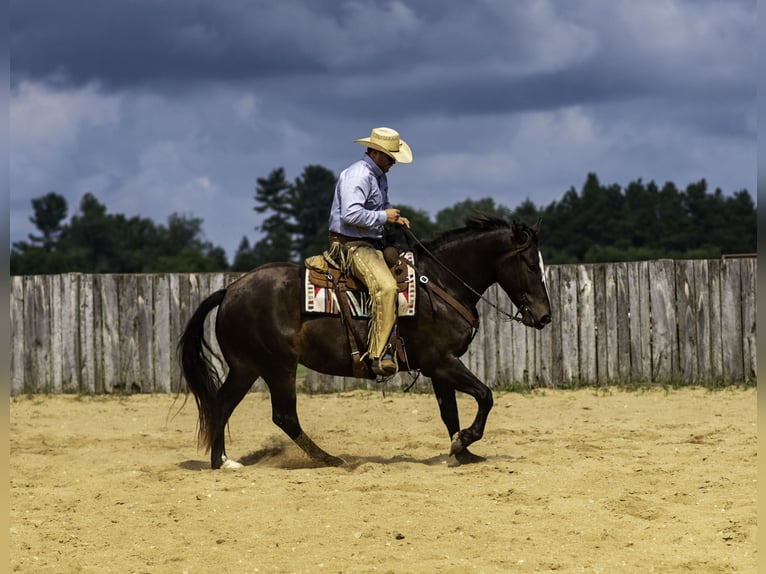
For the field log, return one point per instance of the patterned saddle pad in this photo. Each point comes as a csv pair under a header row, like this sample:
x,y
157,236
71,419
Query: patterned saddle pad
x,y
322,300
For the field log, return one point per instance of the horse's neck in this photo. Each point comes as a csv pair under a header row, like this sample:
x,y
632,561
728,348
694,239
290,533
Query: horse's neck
x,y
470,262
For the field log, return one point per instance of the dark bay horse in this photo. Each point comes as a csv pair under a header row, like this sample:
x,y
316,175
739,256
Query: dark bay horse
x,y
262,332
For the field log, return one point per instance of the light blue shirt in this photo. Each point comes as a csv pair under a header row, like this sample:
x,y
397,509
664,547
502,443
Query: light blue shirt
x,y
360,201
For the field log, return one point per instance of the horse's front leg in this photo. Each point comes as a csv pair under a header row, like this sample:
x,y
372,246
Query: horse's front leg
x,y
452,375
445,396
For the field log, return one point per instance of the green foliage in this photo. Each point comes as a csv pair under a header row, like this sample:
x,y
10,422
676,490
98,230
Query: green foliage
x,y
644,221
311,197
245,257
297,224
49,213
454,216
600,223
95,241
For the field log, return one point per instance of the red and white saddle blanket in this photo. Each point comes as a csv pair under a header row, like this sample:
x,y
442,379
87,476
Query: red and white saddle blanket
x,y
322,300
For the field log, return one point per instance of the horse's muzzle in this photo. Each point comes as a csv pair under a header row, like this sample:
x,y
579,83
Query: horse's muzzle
x,y
538,323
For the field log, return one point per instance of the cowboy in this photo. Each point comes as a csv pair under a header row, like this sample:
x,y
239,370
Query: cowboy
x,y
360,210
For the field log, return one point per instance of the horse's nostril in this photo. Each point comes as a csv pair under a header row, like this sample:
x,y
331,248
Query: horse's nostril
x,y
545,319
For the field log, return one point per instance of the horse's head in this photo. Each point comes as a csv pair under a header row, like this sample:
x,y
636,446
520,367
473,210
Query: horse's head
x,y
521,274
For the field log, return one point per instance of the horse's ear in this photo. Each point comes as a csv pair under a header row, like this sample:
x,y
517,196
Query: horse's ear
x,y
520,231
536,226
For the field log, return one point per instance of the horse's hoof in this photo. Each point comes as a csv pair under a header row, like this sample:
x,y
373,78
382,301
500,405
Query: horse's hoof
x,y
331,460
457,444
229,463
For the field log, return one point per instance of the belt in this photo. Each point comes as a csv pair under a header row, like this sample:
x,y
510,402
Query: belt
x,y
343,239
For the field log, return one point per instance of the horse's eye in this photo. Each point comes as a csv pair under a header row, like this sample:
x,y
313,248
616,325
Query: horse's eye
x,y
534,267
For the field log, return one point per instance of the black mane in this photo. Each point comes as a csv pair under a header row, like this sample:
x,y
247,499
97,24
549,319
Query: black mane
x,y
473,224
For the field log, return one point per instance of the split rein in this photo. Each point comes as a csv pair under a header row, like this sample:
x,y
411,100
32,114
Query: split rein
x,y
423,279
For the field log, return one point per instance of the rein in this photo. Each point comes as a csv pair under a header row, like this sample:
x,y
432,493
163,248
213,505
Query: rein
x,y
426,282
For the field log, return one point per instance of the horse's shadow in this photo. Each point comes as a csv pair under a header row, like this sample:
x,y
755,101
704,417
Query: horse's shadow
x,y
194,465
283,454
287,458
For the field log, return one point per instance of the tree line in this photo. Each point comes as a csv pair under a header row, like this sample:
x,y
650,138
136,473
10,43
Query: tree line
x,y
598,223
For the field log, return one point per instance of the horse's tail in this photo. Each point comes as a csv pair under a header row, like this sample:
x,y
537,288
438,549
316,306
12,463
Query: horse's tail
x,y
201,378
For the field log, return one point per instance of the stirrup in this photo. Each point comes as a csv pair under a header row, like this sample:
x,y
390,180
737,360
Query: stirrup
x,y
385,366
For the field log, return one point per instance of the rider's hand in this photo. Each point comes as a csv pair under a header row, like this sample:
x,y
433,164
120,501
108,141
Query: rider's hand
x,y
394,216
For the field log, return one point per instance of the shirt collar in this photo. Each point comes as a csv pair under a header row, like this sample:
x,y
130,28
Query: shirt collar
x,y
373,166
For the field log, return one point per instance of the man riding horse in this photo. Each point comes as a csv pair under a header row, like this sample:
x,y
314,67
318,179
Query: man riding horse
x,y
262,333
360,210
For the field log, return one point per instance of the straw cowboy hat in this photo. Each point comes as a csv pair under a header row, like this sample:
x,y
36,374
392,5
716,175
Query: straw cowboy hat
x,y
389,142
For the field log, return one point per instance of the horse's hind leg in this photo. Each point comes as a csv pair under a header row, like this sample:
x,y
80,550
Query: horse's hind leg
x,y
230,394
284,413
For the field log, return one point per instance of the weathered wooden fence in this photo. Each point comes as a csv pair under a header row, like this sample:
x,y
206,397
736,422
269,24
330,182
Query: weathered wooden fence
x,y
657,321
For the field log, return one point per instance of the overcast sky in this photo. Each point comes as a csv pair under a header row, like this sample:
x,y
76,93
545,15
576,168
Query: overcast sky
x,y
180,105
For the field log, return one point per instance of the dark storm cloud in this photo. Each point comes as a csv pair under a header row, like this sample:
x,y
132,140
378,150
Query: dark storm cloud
x,y
440,56
122,44
143,42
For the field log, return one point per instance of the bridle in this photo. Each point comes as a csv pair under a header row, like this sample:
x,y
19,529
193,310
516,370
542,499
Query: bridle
x,y
520,310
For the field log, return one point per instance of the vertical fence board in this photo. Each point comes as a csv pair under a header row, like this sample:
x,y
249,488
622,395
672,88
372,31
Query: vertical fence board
x,y
31,377
88,350
701,307
601,299
187,284
640,322
545,376
544,351
178,293
145,332
99,342
164,349
570,356
17,336
128,320
533,359
520,370
99,367
55,327
621,371
731,319
664,334
587,324
749,279
47,380
716,322
556,357
688,336
110,318
70,365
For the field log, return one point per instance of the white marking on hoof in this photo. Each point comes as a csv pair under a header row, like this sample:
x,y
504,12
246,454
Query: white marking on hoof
x,y
229,463
457,444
